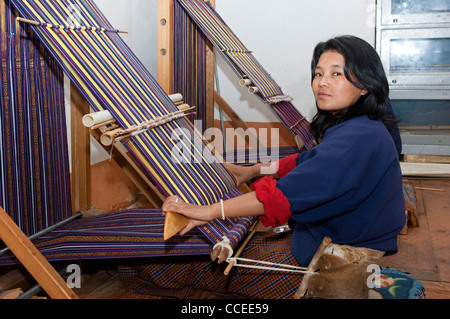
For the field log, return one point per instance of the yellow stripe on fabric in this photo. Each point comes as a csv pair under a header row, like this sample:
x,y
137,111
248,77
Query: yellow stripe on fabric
x,y
187,159
201,17
118,74
92,98
113,78
114,55
88,62
150,168
169,162
96,72
192,144
67,50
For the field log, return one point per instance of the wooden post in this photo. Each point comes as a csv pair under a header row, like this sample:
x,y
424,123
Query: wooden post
x,y
165,45
210,80
81,155
32,259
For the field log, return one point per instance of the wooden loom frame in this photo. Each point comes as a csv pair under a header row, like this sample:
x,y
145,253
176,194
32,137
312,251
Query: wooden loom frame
x,y
81,177
166,66
16,240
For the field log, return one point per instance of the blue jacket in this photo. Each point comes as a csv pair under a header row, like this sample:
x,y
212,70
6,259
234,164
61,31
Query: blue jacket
x,y
349,188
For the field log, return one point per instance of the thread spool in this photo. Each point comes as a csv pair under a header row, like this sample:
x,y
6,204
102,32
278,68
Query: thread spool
x,y
108,138
92,119
176,97
245,82
253,90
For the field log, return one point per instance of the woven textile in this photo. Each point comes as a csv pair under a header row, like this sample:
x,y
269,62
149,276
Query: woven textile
x,y
34,164
246,67
190,63
180,278
110,77
256,156
124,234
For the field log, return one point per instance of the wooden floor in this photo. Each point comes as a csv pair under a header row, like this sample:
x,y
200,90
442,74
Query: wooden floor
x,y
424,252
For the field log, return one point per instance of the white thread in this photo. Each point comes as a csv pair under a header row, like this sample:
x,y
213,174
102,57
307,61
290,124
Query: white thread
x,y
291,268
223,211
225,243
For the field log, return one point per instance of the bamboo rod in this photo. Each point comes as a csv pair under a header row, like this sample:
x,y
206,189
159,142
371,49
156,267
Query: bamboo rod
x,y
36,23
241,249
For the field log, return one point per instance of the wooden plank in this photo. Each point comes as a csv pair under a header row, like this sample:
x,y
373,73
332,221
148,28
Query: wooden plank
x,y
437,207
81,154
32,259
425,169
165,45
410,158
416,254
436,290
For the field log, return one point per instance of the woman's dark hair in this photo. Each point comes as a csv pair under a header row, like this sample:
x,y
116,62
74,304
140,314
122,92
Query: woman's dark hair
x,y
363,68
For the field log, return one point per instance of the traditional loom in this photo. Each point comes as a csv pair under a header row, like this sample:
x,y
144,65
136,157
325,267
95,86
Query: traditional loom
x,y
111,78
95,56
198,19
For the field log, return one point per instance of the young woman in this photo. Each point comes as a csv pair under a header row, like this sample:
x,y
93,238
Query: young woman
x,y
348,187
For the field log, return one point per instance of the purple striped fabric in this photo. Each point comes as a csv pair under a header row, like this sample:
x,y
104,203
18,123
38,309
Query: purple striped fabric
x,y
124,234
245,65
111,77
34,163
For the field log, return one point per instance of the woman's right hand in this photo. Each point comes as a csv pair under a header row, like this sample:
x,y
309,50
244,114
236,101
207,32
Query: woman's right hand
x,y
197,215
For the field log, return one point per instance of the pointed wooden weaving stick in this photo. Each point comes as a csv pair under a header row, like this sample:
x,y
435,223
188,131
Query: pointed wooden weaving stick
x,y
33,260
173,224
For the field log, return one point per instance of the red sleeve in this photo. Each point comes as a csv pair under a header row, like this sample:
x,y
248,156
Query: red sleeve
x,y
276,206
287,164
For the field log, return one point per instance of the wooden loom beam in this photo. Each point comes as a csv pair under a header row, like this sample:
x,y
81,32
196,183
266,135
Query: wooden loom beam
x,y
81,154
30,257
166,66
165,45
210,80
166,58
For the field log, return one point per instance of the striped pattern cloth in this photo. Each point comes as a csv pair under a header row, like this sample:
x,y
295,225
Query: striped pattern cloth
x,y
110,77
124,234
245,65
190,63
179,279
259,155
34,164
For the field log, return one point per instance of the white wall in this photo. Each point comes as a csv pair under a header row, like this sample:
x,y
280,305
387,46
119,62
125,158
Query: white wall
x,y
281,34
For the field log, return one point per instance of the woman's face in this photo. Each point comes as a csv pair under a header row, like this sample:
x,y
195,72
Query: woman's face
x,y
332,90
